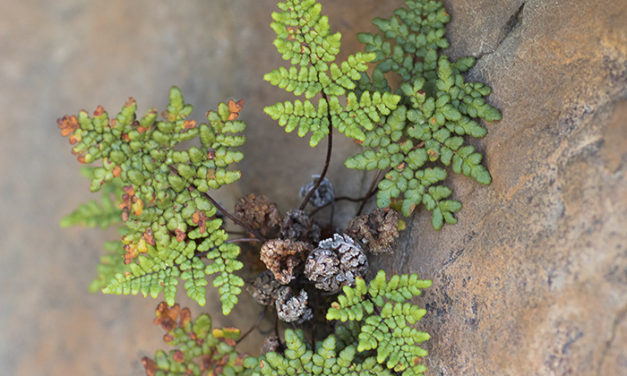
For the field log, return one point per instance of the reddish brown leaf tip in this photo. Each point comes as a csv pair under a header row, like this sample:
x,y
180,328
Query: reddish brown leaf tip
x,y
180,235
235,108
178,356
67,124
150,366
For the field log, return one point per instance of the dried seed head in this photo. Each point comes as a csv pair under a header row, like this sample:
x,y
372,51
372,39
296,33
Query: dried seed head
x,y
323,195
336,262
292,308
271,344
322,267
264,289
283,257
353,260
297,225
376,231
259,214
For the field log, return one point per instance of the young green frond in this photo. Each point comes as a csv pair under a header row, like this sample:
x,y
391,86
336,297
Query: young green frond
x,y
437,109
197,348
111,263
169,219
305,40
299,360
385,316
104,213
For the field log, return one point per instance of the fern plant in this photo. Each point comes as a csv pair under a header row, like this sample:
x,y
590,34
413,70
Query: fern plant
x,y
406,133
104,213
198,348
438,108
380,341
305,40
170,223
375,337
157,175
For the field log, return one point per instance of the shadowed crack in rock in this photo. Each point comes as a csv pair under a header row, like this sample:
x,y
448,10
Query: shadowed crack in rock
x,y
608,344
510,26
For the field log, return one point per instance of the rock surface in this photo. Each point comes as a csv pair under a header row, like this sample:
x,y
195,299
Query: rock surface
x,y
531,281
533,278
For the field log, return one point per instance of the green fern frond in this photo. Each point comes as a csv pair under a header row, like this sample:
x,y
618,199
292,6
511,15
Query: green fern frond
x,y
197,348
111,263
299,360
304,38
386,316
438,108
104,213
170,218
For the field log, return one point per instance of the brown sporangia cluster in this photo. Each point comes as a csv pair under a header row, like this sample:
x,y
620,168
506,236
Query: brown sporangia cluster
x,y
216,367
292,308
130,202
200,219
68,124
377,231
265,288
235,108
283,257
133,249
149,237
209,362
259,214
336,262
170,318
297,225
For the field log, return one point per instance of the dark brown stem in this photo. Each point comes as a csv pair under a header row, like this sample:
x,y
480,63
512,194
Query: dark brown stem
x,y
353,199
244,240
343,198
233,218
241,233
222,210
326,162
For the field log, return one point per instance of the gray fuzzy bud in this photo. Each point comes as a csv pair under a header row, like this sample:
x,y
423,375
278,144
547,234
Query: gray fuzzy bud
x,y
336,262
322,267
292,308
297,225
264,289
323,195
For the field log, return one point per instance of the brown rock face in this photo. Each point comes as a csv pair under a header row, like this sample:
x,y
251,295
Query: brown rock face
x,y
533,278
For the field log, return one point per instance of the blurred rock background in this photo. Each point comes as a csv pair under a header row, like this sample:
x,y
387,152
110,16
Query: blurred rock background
x,y
533,279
